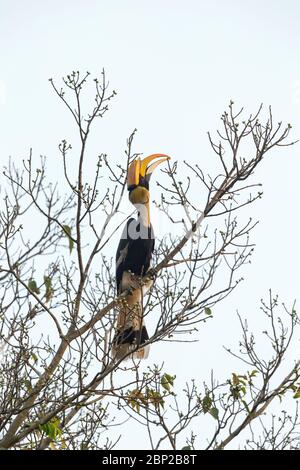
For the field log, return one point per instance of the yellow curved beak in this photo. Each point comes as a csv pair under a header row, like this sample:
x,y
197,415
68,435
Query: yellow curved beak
x,y
144,168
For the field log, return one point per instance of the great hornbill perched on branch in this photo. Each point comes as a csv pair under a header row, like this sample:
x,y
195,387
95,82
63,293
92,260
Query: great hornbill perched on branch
x,y
133,260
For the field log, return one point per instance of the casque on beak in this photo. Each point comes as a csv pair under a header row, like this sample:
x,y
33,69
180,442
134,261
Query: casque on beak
x,y
140,171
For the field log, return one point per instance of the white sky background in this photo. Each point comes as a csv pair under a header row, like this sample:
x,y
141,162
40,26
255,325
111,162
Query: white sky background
x,y
175,66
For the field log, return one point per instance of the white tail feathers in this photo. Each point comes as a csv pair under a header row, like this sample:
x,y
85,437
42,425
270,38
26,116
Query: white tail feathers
x,y
123,351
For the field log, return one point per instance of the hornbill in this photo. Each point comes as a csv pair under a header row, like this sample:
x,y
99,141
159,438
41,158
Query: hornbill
x,y
133,260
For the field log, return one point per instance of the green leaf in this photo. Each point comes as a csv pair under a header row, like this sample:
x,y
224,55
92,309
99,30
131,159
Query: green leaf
x,y
32,285
246,406
297,394
207,311
235,379
68,231
155,398
206,403
167,381
49,289
135,398
214,412
242,378
186,448
34,357
51,429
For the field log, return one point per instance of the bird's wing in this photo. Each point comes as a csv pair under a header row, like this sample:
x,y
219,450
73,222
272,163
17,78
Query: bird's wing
x,y
122,252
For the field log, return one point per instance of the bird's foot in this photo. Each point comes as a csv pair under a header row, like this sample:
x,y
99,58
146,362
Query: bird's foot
x,y
152,273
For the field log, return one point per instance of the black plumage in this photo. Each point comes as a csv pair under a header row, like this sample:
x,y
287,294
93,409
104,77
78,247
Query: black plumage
x,y
134,251
133,258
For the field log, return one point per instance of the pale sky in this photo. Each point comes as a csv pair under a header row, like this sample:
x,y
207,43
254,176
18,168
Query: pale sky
x,y
175,65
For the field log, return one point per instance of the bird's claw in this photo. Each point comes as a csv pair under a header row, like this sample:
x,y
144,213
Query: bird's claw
x,y
152,273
